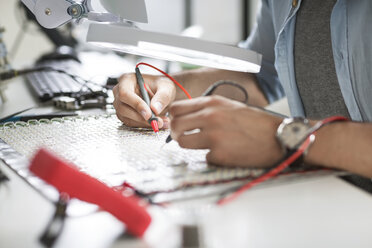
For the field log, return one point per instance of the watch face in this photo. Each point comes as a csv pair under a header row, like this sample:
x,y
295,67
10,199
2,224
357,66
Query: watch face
x,y
292,133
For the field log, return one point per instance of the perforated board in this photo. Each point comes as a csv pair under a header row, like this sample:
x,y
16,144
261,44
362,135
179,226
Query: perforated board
x,y
104,148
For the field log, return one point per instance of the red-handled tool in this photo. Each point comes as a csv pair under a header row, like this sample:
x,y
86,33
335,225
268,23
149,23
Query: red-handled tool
x,y
68,179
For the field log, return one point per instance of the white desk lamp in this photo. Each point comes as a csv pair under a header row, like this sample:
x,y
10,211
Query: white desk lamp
x,y
118,31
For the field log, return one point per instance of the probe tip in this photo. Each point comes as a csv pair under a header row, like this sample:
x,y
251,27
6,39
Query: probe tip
x,y
155,126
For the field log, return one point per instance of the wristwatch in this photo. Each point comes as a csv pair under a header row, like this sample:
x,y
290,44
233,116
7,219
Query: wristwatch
x,y
292,132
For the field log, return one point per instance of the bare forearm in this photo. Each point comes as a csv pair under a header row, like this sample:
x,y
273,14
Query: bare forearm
x,y
346,146
197,81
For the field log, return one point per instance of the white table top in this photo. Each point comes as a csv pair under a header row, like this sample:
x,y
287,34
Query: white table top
x,y
317,212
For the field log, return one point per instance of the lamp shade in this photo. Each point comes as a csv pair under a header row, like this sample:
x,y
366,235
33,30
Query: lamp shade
x,y
170,47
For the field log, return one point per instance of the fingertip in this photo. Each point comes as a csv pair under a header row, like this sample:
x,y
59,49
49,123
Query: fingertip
x,y
157,107
166,122
146,114
175,135
160,123
176,106
161,99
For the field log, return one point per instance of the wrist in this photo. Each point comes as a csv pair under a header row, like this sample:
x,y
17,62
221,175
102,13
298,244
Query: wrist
x,y
294,132
182,78
328,141
317,154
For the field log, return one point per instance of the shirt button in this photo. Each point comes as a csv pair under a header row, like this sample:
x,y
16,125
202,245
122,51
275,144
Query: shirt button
x,y
294,3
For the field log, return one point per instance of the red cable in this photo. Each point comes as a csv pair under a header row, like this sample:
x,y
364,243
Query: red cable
x,y
272,173
275,171
168,76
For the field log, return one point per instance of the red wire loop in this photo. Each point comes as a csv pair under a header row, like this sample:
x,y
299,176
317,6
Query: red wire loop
x,y
168,76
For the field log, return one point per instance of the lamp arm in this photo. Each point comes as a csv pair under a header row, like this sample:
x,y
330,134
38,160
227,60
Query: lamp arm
x,y
54,13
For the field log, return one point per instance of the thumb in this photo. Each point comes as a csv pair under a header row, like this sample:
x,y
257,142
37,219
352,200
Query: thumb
x,y
161,99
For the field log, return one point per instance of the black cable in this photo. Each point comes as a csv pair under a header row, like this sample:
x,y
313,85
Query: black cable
x,y
80,95
56,224
3,178
15,73
217,84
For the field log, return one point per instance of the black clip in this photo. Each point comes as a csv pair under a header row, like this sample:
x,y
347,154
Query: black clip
x,y
190,236
55,226
3,178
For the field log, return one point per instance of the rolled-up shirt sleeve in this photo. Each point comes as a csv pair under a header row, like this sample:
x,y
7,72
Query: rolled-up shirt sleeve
x,y
262,40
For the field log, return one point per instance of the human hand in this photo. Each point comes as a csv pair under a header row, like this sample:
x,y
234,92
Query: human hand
x,y
237,135
132,110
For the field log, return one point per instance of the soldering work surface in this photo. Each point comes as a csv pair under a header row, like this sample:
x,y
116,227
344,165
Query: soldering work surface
x,y
104,148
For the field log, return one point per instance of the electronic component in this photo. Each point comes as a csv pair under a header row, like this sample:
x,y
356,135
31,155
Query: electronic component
x,y
71,103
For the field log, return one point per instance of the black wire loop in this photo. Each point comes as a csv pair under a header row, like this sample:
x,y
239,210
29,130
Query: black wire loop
x,y
217,84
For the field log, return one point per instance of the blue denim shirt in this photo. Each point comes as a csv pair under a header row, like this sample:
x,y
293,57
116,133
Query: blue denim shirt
x,y
351,32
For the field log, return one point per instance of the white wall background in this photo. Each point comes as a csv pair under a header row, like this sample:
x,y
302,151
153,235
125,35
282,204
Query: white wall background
x,y
165,16
33,44
220,19
254,5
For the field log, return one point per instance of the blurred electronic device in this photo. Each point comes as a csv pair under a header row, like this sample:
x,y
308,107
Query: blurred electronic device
x,y
62,52
63,75
98,100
